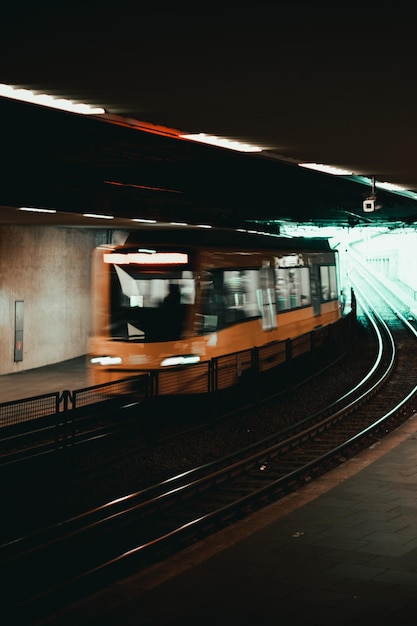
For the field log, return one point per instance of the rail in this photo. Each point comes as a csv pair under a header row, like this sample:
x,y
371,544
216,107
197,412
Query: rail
x,y
173,515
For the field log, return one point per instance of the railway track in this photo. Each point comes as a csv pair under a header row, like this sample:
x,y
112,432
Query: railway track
x,y
52,568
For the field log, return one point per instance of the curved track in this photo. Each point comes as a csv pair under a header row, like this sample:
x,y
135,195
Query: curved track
x,y
54,567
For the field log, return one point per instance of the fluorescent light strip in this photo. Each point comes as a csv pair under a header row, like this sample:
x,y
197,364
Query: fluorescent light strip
x,y
144,221
328,169
25,95
36,210
390,186
222,142
101,217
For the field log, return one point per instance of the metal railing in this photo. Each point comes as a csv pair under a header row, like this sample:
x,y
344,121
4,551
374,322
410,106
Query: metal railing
x,y
54,421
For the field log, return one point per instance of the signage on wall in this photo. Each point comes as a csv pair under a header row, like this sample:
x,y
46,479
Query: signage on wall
x,y
18,330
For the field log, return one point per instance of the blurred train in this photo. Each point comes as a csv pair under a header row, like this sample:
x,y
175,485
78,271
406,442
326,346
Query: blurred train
x,y
171,297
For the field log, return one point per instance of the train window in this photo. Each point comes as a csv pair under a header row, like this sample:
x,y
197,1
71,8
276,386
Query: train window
x,y
149,306
328,282
292,286
266,298
228,296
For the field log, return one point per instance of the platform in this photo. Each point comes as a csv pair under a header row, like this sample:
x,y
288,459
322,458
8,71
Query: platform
x,y
342,551
71,374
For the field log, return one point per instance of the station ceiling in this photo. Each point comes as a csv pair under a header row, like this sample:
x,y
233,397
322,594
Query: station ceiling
x,y
308,82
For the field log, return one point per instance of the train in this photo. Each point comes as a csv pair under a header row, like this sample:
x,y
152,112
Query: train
x,y
170,298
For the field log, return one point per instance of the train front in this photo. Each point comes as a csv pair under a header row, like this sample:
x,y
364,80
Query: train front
x,y
143,311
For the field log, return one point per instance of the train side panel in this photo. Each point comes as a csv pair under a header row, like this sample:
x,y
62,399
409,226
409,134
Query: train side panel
x,y
262,296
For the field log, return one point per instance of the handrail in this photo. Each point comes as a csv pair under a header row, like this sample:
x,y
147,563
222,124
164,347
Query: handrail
x,y
253,372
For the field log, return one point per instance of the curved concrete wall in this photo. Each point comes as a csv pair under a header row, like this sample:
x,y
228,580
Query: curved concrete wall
x,y
393,254
48,269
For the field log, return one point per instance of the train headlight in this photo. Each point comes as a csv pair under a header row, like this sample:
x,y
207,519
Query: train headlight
x,y
180,359
106,360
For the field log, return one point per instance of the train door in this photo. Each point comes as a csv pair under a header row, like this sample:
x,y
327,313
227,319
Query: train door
x,y
315,288
266,298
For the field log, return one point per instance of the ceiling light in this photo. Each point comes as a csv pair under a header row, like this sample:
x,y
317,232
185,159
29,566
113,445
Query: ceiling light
x,y
222,142
328,169
36,210
143,220
387,186
390,186
15,93
98,216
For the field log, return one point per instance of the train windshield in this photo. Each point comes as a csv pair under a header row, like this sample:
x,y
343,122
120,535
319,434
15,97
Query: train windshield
x,y
149,305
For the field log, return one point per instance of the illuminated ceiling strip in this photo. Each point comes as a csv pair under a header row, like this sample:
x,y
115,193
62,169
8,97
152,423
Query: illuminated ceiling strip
x,y
159,258
328,169
222,142
98,216
25,95
36,210
389,186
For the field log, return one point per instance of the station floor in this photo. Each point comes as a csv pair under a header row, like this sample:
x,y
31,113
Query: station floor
x,y
342,551
71,374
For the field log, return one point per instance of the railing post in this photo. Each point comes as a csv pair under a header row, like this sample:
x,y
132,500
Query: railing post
x,y
255,370
288,362
153,403
213,387
66,399
313,352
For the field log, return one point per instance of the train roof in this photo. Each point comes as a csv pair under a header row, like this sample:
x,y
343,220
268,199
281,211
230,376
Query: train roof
x,y
225,239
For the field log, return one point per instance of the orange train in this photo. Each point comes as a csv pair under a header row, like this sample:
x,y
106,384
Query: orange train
x,y
174,297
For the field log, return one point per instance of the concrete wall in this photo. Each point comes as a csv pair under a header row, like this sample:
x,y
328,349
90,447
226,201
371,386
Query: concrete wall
x,y
408,260
47,268
394,254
